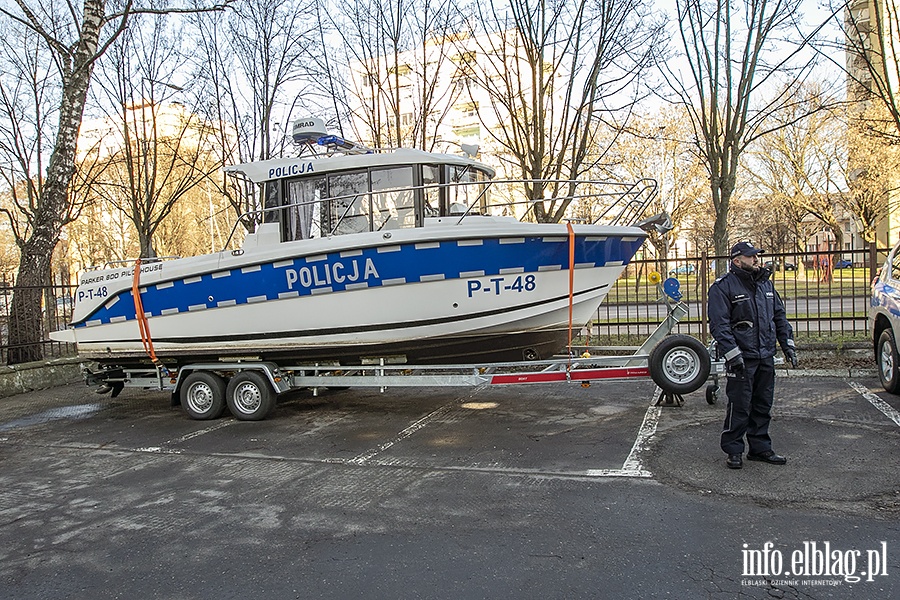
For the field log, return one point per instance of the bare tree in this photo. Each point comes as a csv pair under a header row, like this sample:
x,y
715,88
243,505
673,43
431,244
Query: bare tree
x,y
395,54
166,148
799,164
871,48
256,68
870,169
659,147
74,40
731,86
555,75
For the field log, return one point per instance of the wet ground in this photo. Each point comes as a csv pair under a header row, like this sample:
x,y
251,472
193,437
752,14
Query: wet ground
x,y
549,491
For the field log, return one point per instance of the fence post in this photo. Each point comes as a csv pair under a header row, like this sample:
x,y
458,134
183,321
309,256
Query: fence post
x,y
873,259
704,284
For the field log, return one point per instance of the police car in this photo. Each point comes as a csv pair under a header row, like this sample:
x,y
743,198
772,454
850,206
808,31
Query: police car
x,y
884,321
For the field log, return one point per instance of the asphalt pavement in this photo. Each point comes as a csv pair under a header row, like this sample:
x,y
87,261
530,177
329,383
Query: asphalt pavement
x,y
549,491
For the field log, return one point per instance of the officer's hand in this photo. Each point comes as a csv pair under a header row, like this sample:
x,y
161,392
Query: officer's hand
x,y
735,364
791,356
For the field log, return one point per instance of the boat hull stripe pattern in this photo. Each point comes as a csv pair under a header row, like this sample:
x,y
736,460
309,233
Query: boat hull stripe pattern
x,y
406,264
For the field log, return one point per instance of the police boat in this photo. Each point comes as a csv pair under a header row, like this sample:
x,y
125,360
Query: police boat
x,y
364,254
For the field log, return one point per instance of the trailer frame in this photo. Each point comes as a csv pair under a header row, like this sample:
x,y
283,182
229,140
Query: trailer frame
x,y
677,363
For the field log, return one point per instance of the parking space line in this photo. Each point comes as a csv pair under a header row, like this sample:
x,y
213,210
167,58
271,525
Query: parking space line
x,y
166,447
193,434
369,454
889,411
633,466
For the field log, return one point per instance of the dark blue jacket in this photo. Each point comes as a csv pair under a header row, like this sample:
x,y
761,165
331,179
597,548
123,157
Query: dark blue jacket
x,y
747,316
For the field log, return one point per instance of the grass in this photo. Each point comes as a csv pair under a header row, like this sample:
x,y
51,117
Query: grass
x,y
790,284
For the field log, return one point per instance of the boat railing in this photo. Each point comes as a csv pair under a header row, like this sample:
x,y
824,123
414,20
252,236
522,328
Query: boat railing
x,y
625,202
597,202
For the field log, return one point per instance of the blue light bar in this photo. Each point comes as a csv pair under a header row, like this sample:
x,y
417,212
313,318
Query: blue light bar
x,y
335,140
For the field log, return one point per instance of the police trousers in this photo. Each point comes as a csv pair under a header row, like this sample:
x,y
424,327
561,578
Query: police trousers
x,y
750,395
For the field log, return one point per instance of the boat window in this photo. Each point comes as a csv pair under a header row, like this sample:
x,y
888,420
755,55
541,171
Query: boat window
x,y
349,207
467,185
303,215
393,201
272,200
431,176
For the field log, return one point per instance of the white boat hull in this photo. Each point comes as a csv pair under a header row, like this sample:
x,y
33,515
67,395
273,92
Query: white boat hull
x,y
497,290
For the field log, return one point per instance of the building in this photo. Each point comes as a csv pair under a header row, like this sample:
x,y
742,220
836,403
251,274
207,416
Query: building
x,y
443,95
873,83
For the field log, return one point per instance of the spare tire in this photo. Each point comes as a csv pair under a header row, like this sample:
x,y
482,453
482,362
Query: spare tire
x,y
679,364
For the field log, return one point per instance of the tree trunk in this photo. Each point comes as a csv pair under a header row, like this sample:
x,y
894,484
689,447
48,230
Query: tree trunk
x,y
25,334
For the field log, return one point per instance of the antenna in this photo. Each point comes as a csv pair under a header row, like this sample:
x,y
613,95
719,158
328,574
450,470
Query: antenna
x,y
308,130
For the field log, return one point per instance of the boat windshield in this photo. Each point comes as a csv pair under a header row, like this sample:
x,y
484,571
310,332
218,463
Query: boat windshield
x,y
373,199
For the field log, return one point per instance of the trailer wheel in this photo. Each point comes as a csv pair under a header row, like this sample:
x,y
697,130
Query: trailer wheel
x,y
679,364
203,396
249,396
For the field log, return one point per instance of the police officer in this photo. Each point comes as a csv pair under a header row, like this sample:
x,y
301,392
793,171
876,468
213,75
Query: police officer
x,y
746,317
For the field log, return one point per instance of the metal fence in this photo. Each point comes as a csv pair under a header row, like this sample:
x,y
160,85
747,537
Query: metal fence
x,y
826,296
56,313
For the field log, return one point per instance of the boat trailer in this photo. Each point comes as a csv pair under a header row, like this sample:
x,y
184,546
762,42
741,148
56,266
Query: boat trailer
x,y
679,364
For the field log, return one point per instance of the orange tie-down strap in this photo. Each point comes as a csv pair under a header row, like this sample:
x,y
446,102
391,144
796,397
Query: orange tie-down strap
x,y
143,324
571,284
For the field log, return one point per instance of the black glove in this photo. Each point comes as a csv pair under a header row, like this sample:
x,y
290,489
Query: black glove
x,y
790,355
735,364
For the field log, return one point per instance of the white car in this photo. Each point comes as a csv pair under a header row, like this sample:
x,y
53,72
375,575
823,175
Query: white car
x,y
884,321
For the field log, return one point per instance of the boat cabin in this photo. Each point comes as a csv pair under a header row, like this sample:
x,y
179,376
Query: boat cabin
x,y
322,195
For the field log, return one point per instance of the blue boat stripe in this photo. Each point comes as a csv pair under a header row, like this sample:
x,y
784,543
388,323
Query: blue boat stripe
x,y
362,269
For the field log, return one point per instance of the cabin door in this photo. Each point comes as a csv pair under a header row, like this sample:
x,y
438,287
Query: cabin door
x,y
302,217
